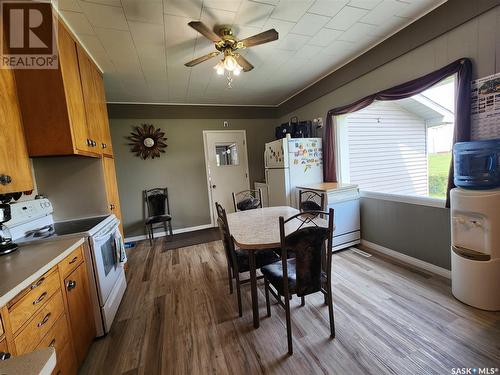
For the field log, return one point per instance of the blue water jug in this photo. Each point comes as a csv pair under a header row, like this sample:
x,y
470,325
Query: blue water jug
x,y
477,164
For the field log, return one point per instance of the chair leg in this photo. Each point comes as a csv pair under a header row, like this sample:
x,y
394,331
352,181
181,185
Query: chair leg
x,y
238,294
230,279
170,230
150,235
330,312
268,304
302,301
288,326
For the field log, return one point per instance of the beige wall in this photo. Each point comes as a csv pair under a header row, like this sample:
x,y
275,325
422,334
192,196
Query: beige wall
x,y
181,168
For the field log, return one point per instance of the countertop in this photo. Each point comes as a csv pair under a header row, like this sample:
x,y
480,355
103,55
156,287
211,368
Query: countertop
x,y
327,186
23,267
39,362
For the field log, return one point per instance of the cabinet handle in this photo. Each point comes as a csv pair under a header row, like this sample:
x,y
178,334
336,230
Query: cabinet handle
x,y
71,285
111,206
4,356
104,145
89,142
52,343
94,143
40,299
44,320
5,179
37,284
73,260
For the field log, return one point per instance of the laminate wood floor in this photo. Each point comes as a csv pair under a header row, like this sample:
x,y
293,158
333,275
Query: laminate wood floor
x,y
177,317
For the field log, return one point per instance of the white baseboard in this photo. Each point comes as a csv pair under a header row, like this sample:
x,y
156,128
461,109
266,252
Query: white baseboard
x,y
408,259
163,233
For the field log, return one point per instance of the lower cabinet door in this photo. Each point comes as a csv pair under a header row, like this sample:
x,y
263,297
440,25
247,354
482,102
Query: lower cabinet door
x,y
3,346
59,338
81,314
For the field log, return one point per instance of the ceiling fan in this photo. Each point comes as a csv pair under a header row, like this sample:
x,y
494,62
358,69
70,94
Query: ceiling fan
x,y
225,43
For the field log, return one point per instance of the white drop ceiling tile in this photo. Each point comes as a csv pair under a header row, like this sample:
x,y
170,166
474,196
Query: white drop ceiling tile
x,y
358,32
217,17
159,90
310,24
114,3
253,14
230,5
327,7
71,5
339,48
242,32
293,42
190,9
347,17
79,23
309,51
416,9
105,16
143,11
147,36
270,2
324,37
282,27
365,4
383,11
97,51
291,10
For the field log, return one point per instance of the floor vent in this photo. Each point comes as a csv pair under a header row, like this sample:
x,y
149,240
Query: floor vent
x,y
360,252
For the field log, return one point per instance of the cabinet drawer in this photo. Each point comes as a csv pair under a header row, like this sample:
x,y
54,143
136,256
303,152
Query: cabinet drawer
x,y
40,325
71,262
37,296
59,338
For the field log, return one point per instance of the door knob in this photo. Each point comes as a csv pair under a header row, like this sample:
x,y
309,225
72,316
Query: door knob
x,y
214,186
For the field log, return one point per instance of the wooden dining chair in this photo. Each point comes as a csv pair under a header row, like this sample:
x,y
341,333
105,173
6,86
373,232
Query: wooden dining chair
x,y
311,200
237,259
309,272
158,211
247,200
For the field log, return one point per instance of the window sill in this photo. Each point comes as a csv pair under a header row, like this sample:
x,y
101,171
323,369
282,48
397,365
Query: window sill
x,y
418,200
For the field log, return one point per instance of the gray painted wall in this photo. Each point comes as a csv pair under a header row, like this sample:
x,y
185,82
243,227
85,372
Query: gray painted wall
x,y
181,168
422,232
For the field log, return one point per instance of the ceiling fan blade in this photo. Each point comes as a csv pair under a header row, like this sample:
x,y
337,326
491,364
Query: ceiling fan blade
x,y
201,59
204,30
244,63
261,38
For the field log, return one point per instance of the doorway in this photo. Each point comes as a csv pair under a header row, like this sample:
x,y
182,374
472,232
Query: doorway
x,y
226,162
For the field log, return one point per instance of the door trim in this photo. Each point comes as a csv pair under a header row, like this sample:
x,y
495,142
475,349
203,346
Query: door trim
x,y
209,190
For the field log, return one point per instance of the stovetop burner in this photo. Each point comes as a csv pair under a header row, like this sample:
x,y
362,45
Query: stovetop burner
x,y
43,232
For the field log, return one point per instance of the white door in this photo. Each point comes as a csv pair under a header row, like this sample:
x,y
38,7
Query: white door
x,y
226,161
278,186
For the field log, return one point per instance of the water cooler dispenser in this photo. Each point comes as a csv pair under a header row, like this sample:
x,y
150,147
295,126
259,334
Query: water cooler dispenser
x,y
475,252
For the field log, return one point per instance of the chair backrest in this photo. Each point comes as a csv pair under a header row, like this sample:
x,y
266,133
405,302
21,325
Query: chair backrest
x,y
247,200
311,241
227,240
157,201
311,200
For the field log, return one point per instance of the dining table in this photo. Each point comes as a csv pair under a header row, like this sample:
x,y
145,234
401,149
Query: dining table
x,y
259,229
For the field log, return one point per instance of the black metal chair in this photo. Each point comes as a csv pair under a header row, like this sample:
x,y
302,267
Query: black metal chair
x,y
158,211
309,272
311,200
247,200
237,260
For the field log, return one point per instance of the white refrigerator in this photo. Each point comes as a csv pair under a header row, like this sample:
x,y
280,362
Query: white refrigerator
x,y
291,162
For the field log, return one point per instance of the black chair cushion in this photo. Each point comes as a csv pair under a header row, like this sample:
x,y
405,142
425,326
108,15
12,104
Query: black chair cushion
x,y
158,219
262,258
274,273
249,203
310,206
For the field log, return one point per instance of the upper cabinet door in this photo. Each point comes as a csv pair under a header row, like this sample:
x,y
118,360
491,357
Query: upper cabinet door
x,y
73,90
15,169
107,147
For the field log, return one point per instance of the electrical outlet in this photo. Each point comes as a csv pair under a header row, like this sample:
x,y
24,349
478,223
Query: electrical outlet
x,y
226,124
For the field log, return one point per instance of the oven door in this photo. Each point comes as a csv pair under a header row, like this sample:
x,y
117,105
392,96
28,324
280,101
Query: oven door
x,y
106,261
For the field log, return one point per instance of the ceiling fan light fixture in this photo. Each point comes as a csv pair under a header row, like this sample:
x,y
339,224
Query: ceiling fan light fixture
x,y
237,71
230,63
219,68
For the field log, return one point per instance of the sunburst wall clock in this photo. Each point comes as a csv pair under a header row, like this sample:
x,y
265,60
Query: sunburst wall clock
x,y
147,142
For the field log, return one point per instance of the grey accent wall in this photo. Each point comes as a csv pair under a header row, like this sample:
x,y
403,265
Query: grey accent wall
x,y
418,231
181,168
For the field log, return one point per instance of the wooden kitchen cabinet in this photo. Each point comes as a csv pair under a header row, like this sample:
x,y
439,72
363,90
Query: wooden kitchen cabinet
x,y
81,315
15,167
52,104
112,188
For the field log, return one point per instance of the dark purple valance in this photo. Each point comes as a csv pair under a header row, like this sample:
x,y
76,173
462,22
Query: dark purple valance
x,y
461,67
